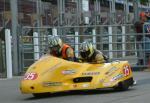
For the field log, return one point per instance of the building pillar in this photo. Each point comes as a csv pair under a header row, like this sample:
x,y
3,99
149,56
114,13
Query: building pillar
x,y
78,12
126,10
136,4
112,11
14,14
110,42
97,9
85,8
61,10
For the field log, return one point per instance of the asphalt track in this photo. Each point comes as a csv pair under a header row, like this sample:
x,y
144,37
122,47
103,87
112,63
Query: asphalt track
x,y
10,93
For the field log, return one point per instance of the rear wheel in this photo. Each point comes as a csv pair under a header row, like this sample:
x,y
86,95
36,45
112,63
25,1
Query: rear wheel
x,y
124,85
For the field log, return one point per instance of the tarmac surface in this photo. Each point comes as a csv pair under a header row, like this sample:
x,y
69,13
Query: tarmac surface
x,y
10,93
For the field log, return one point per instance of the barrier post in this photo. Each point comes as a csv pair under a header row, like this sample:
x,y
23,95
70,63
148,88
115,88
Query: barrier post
x,y
76,43
36,46
123,42
8,53
110,42
85,8
54,31
94,37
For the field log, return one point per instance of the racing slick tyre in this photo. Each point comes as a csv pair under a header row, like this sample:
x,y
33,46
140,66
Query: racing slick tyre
x,y
124,85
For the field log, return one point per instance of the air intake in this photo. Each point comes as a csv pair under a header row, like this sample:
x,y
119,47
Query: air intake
x,y
82,79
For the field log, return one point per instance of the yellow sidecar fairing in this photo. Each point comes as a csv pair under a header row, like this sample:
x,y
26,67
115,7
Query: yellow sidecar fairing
x,y
51,74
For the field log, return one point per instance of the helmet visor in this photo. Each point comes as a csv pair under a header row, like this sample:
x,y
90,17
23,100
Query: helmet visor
x,y
85,54
55,48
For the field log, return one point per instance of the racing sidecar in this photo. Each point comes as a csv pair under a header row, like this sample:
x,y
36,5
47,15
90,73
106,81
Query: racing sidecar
x,y
51,74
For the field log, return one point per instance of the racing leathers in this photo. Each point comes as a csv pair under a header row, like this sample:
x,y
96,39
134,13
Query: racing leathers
x,y
65,52
97,57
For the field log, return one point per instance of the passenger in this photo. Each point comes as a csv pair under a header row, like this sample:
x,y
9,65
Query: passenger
x,y
89,54
60,49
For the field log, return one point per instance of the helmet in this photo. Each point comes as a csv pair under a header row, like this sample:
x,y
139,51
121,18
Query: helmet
x,y
86,49
55,43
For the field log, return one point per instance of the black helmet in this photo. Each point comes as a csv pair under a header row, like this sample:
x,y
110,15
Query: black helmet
x,y
86,49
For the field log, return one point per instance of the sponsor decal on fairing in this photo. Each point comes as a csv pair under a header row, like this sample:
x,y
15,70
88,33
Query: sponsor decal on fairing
x,y
67,72
126,70
107,84
117,77
91,73
85,85
111,71
101,80
47,84
74,85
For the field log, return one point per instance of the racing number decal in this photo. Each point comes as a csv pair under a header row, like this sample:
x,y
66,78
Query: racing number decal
x,y
126,70
30,76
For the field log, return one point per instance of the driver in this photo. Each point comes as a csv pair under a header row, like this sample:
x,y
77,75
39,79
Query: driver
x,y
89,54
60,49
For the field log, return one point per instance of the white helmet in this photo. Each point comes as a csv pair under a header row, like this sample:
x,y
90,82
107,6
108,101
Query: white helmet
x,y
54,41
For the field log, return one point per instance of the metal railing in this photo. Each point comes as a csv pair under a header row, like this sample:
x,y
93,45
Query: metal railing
x,y
118,42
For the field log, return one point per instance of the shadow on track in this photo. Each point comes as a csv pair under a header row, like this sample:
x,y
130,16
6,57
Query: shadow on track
x,y
81,93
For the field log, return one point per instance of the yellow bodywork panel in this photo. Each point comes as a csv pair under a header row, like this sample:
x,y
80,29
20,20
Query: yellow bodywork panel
x,y
52,74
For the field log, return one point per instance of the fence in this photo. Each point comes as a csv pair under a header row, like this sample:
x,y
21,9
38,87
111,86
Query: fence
x,y
118,42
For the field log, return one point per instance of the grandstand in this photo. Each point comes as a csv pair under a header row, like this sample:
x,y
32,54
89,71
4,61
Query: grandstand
x,y
50,12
